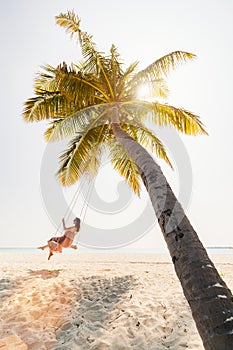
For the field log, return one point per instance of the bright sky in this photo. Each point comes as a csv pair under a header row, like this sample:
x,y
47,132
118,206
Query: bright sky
x,y
144,31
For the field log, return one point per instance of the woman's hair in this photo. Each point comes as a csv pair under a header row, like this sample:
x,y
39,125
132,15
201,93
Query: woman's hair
x,y
77,223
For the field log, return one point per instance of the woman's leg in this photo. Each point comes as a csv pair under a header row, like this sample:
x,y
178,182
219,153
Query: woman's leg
x,y
53,239
59,248
43,247
50,254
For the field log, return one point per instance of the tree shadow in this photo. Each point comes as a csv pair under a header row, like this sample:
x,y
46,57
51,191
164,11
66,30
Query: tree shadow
x,y
7,286
107,309
98,304
44,274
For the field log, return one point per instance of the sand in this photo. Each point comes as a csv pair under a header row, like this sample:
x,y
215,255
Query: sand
x,y
96,301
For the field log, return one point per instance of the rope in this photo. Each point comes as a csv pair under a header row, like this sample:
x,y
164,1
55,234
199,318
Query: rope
x,y
86,201
74,201
70,208
85,204
75,197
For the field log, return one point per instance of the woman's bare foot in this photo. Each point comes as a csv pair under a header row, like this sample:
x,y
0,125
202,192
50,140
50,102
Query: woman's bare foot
x,y
43,248
50,254
74,246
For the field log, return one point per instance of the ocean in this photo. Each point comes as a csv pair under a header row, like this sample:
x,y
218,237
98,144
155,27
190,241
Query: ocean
x,y
210,250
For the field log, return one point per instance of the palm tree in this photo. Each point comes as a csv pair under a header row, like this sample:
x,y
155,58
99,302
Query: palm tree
x,y
95,102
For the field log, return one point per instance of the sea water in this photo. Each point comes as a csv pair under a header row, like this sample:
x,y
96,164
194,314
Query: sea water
x,y
210,250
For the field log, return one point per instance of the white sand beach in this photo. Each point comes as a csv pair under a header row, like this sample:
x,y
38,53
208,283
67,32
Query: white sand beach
x,y
96,301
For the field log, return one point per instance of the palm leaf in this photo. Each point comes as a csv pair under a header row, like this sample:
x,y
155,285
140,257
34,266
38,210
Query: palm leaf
x,y
71,22
84,90
46,80
164,115
94,60
136,111
93,162
126,77
182,119
79,122
46,106
146,138
96,63
75,161
91,55
156,88
115,65
124,165
162,66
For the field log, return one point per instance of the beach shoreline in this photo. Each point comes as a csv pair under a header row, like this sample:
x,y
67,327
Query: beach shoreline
x,y
98,301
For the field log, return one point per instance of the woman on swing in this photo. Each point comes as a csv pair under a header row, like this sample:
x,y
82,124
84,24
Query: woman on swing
x,y
55,244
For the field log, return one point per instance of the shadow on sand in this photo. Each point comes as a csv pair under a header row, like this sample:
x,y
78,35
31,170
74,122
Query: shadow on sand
x,y
98,305
44,274
7,287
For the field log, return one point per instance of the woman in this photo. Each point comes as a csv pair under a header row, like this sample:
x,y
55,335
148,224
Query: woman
x,y
55,244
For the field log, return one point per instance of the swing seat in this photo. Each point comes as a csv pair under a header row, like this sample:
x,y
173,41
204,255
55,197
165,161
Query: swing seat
x,y
53,244
55,247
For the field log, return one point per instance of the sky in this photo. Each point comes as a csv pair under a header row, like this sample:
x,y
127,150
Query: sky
x,y
144,31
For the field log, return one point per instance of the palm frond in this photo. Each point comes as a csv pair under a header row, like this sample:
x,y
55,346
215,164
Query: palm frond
x,y
57,131
91,55
78,122
93,162
46,80
46,106
114,70
124,165
71,22
115,63
159,88
148,139
123,84
130,72
162,66
97,64
75,161
153,89
136,111
182,119
164,115
94,60
84,90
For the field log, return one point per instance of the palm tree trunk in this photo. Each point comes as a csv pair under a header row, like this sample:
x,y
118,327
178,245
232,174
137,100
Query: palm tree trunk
x,y
210,300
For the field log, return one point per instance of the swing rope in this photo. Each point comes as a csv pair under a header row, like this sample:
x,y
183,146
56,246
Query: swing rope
x,y
85,205
74,201
86,201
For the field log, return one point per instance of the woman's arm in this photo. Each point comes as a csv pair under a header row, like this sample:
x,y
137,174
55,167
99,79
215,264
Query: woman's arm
x,y
63,222
64,226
